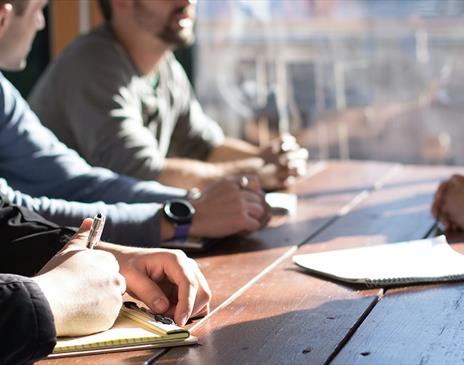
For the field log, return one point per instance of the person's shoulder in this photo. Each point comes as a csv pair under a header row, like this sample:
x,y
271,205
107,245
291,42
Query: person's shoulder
x,y
97,47
170,67
169,61
7,90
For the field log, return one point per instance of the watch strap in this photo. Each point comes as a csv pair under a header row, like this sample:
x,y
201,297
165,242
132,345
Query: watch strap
x,y
182,231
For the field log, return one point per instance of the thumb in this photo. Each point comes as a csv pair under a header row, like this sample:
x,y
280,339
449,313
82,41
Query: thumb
x,y
76,243
80,238
85,226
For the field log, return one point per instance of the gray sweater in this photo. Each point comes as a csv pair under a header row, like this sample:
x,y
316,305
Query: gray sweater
x,y
97,102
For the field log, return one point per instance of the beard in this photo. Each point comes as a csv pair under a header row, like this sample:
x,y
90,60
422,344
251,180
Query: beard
x,y
176,37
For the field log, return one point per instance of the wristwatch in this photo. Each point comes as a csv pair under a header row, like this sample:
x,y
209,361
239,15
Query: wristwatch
x,y
180,213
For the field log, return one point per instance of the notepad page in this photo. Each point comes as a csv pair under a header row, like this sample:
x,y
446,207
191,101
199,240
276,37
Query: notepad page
x,y
124,331
430,259
282,203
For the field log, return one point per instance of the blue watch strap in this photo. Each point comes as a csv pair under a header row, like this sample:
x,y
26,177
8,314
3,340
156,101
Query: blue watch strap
x,y
182,231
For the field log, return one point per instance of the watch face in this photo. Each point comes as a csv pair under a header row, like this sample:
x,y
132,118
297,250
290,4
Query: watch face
x,y
179,211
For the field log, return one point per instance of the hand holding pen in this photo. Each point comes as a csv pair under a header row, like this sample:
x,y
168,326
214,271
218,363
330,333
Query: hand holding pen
x,y
86,277
96,231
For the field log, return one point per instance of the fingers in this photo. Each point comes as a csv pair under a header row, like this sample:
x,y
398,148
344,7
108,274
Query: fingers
x,y
438,200
81,237
278,173
198,291
204,298
193,293
257,211
448,201
85,226
186,301
236,204
121,283
150,293
169,282
253,185
253,204
79,240
293,163
301,154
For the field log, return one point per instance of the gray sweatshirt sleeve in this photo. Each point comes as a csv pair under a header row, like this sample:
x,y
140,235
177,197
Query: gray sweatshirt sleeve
x,y
128,224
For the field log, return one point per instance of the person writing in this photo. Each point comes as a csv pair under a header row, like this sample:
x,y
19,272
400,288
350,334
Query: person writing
x,y
52,285
118,96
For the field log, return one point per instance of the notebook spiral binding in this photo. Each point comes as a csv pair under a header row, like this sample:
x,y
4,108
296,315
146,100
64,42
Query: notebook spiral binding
x,y
378,283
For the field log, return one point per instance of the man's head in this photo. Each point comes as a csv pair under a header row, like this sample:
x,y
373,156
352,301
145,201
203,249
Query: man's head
x,y
170,21
19,22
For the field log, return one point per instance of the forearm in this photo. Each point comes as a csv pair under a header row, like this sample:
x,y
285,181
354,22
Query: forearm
x,y
233,149
126,224
186,173
130,224
27,329
111,188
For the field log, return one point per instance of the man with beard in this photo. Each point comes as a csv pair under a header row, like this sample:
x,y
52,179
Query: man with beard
x,y
118,96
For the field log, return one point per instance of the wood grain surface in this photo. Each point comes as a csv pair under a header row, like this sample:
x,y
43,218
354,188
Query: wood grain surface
x,y
291,317
265,310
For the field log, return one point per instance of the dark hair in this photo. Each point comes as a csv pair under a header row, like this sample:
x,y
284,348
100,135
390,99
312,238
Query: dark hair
x,y
105,8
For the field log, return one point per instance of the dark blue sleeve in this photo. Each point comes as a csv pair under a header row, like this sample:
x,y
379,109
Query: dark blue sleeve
x,y
128,224
33,161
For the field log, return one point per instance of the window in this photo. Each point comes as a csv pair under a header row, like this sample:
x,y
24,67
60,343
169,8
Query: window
x,y
357,79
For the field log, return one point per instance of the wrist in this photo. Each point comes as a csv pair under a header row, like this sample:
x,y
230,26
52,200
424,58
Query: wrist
x,y
49,292
178,213
166,228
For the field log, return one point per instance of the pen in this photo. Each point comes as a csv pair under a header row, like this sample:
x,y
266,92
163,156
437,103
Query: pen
x,y
96,230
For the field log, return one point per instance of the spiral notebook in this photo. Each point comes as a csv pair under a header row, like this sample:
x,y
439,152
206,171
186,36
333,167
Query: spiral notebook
x,y
135,328
427,260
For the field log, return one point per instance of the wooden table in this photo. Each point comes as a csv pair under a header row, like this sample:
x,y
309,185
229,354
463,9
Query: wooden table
x,y
266,311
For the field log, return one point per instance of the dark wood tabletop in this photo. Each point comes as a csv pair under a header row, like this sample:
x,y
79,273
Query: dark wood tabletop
x,y
267,311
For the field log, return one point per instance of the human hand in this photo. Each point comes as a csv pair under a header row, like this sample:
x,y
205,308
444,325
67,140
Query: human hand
x,y
226,208
83,287
284,159
167,281
448,203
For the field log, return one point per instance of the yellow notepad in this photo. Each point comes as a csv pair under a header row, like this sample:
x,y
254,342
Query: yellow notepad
x,y
134,328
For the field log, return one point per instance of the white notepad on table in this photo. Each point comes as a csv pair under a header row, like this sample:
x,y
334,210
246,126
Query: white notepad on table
x,y
426,260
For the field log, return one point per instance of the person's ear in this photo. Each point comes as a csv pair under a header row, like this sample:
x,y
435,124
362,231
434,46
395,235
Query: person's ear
x,y
6,13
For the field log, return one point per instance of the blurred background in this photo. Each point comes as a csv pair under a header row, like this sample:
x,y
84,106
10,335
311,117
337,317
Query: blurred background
x,y
352,79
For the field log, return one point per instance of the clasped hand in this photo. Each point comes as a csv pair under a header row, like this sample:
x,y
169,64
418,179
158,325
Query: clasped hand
x,y
283,160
